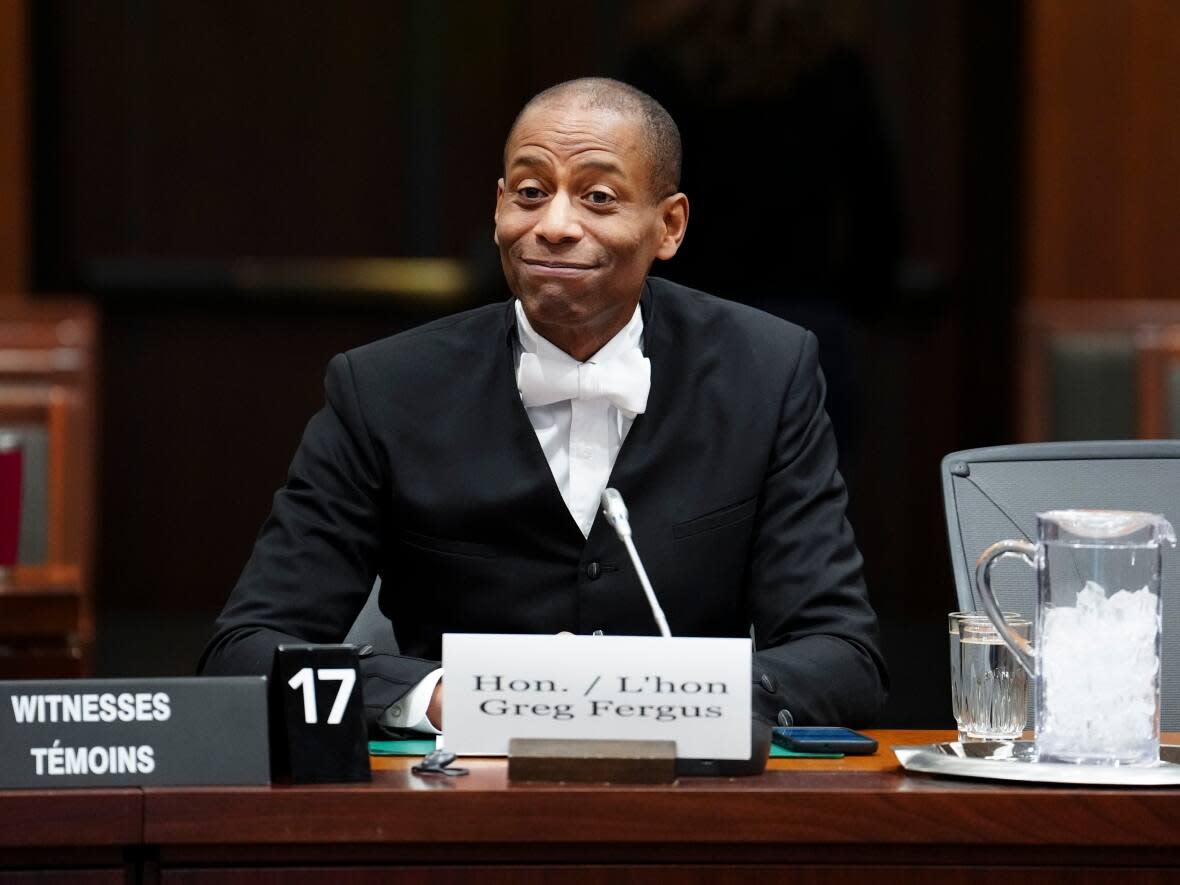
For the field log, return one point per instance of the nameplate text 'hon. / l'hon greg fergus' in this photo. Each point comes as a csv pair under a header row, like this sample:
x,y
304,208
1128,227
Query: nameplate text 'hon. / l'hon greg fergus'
x,y
690,690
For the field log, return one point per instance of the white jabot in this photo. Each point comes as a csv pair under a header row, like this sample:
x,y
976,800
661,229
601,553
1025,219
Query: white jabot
x,y
624,380
582,412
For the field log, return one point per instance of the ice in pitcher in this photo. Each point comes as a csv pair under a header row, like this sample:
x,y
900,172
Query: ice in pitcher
x,y
1099,664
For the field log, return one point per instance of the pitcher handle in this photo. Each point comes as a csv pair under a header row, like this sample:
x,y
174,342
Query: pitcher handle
x,y
983,582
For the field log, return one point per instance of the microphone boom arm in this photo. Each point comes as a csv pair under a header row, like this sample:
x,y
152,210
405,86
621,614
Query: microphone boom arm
x,y
615,512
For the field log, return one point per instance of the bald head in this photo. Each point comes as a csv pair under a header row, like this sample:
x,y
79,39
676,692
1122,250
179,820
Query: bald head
x,y
661,136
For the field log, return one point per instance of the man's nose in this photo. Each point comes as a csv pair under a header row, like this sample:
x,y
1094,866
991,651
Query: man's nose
x,y
558,221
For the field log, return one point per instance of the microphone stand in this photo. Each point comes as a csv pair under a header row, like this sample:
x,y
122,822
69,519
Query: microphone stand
x,y
615,512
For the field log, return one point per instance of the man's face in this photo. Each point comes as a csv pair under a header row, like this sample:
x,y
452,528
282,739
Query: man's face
x,y
577,223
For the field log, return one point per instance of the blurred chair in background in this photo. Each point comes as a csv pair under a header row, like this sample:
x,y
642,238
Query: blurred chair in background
x,y
1159,382
1100,370
46,415
371,627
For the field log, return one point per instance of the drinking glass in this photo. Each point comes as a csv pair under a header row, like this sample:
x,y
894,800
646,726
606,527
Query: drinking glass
x,y
994,702
954,620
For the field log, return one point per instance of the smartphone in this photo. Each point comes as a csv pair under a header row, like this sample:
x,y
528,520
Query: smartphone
x,y
822,739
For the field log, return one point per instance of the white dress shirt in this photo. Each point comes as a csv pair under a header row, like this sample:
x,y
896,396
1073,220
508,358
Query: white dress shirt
x,y
581,439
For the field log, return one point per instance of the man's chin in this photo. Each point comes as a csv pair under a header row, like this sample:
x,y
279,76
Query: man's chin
x,y
554,304
543,320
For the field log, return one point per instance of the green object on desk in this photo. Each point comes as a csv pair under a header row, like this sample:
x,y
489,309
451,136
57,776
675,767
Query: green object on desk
x,y
776,750
421,748
401,748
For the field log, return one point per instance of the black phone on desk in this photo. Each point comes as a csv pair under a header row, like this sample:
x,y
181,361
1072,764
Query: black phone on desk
x,y
824,739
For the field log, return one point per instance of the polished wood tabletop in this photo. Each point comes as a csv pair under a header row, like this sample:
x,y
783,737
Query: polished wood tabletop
x,y
859,813
868,800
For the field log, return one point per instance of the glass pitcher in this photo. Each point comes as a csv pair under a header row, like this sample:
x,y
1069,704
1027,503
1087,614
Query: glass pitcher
x,y
1095,654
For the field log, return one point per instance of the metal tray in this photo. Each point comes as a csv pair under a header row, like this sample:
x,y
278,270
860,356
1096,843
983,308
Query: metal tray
x,y
1016,761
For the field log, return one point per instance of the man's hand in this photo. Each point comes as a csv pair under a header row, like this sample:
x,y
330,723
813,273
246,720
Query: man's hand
x,y
434,708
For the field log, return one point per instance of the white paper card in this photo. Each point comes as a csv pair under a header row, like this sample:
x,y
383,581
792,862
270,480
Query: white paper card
x,y
690,690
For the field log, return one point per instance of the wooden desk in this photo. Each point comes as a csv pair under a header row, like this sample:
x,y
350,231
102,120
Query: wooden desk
x,y
81,837
41,613
804,821
809,821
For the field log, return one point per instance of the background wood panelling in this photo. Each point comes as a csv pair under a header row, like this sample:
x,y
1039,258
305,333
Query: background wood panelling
x,y
14,244
1103,176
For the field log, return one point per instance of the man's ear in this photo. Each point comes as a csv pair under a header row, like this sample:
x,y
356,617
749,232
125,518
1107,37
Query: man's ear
x,y
496,214
674,217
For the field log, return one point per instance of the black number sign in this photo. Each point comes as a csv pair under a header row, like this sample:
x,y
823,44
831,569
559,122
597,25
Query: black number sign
x,y
318,716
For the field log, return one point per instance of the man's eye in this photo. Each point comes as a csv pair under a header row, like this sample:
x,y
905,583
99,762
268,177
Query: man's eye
x,y
530,193
600,198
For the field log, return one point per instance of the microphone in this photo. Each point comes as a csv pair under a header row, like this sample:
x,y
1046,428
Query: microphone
x,y
615,512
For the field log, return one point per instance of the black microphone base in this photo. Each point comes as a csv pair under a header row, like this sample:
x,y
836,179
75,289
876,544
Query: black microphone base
x,y
756,764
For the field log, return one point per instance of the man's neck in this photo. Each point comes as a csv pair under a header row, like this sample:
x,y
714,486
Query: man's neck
x,y
581,342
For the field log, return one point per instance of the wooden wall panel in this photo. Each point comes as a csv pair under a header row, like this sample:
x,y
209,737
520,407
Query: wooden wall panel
x,y
171,134
1103,173
13,151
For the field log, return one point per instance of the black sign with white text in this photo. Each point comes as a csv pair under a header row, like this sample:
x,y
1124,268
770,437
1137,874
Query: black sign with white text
x,y
318,715
133,732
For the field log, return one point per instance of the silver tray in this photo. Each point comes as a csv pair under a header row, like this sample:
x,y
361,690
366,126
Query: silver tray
x,y
1016,761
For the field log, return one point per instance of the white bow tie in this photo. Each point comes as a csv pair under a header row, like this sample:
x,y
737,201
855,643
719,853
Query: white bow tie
x,y
624,380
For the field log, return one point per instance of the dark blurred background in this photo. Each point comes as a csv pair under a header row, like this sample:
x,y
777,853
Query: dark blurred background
x,y
902,176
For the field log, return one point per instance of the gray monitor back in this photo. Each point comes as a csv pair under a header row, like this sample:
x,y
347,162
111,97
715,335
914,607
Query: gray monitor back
x,y
995,493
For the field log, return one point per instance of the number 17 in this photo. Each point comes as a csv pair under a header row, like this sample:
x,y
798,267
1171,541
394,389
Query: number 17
x,y
303,679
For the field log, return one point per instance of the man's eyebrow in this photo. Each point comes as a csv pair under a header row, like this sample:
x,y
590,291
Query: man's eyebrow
x,y
601,165
530,161
533,161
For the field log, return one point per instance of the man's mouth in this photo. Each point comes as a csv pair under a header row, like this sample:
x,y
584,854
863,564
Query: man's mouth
x,y
548,267
556,265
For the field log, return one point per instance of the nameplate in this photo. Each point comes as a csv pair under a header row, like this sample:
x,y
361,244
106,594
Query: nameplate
x,y
695,692
132,732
